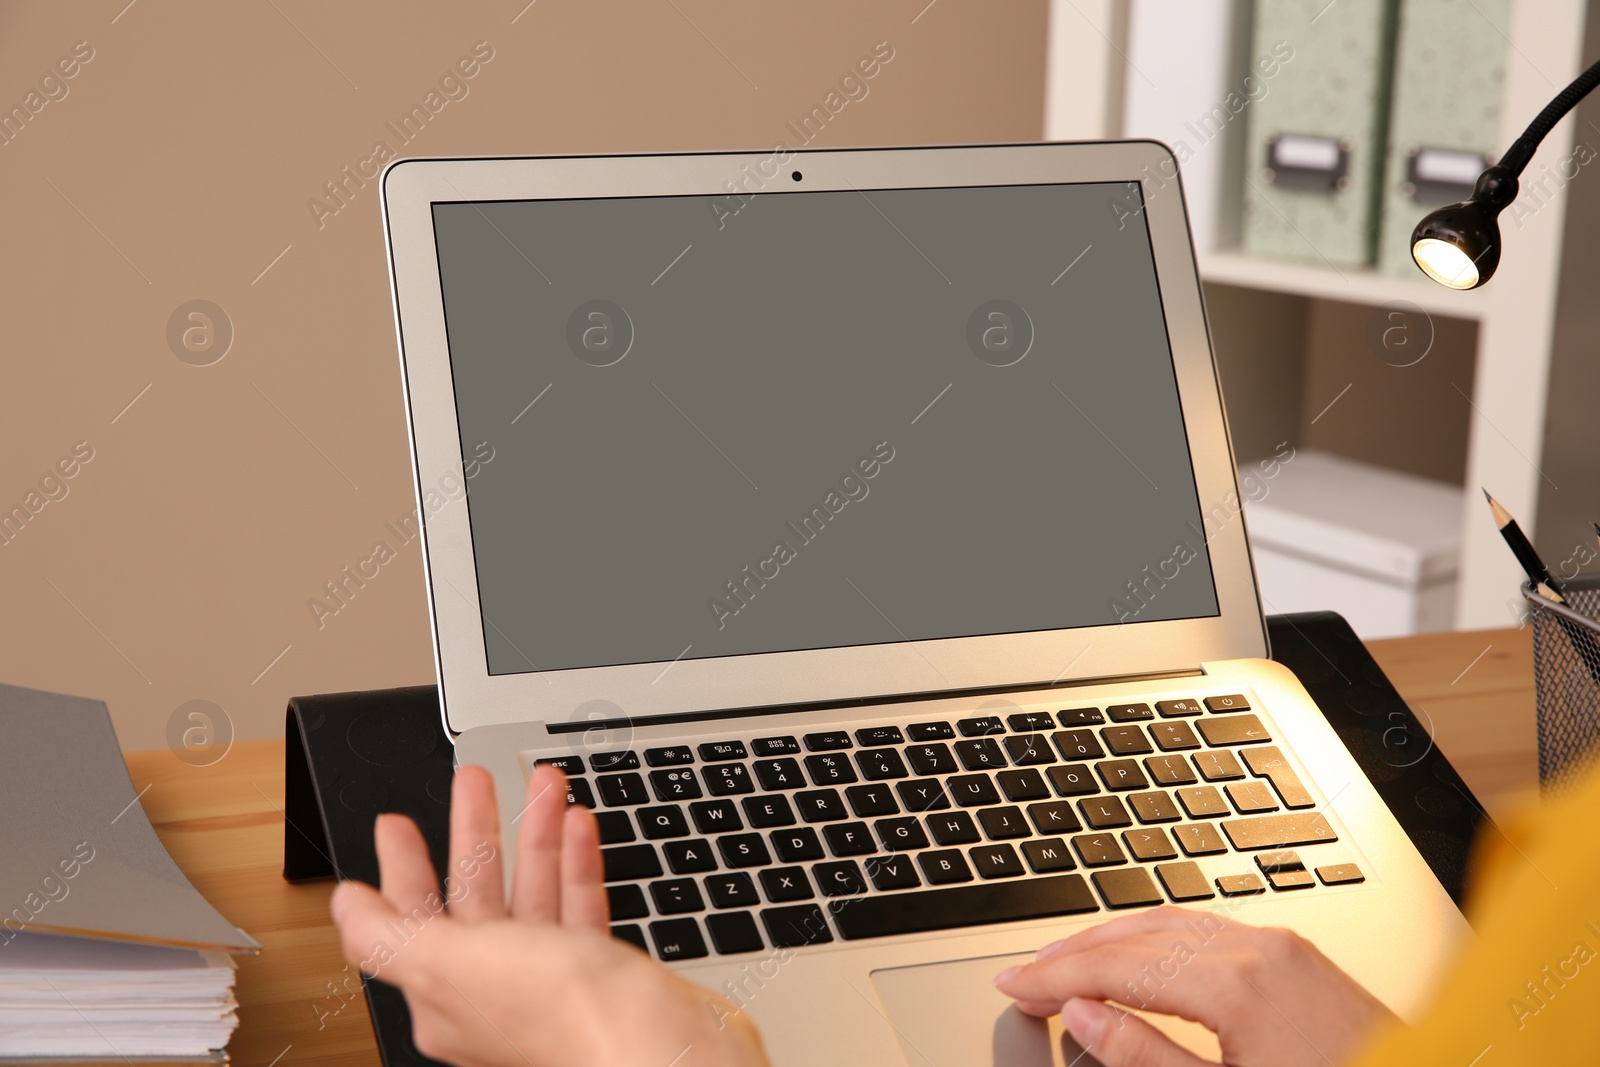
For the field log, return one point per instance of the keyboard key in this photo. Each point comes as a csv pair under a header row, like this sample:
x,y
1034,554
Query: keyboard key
x,y
784,884
931,759
1268,762
1279,860
828,741
662,822
1240,885
1218,766
953,828
615,827
677,784
1250,798
1183,881
715,816
1104,813
1003,823
996,861
578,792
798,924
620,790
744,850
689,857
675,756
1047,856
1028,750
1203,802
1129,712
839,879
1174,736
1078,744
869,736
944,866
1170,708
1098,850
871,801
677,896
1073,780
820,805
1149,844
972,790
1291,879
627,863
927,795
901,835
1278,831
726,779
1079,717
1122,774
930,731
796,845
1154,806
569,764
631,934
980,726
1031,721
1055,817
732,890
624,760
1199,839
1234,730
1169,770
678,939
775,746
1340,874
1130,888
849,839
775,774
880,764
1126,740
717,751
1233,702
767,811
964,905
830,769
893,872
627,902
1023,785
982,754
734,933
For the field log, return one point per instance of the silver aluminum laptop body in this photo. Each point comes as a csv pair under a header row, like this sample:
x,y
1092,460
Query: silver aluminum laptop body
x,y
789,444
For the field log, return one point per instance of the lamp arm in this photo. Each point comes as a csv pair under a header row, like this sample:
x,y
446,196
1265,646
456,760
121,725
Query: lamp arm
x,y
1521,150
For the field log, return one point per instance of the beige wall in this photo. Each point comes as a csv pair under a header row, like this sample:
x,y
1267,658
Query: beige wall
x,y
178,166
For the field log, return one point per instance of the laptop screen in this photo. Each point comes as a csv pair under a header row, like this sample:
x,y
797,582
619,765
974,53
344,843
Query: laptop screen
x,y
715,426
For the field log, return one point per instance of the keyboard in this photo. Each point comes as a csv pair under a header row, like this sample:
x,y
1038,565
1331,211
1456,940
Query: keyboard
x,y
735,846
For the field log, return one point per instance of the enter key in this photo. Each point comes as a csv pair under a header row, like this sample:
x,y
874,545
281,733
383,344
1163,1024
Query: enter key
x,y
1268,762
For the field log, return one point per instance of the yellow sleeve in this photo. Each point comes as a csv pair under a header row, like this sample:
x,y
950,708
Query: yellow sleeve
x,y
1526,988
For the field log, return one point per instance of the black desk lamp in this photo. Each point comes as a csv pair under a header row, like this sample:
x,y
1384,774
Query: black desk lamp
x,y
1459,246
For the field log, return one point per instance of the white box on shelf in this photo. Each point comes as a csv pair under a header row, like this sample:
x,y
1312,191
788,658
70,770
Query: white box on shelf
x,y
1378,546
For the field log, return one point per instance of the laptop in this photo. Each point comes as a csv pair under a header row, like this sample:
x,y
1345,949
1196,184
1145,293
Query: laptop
x,y
860,531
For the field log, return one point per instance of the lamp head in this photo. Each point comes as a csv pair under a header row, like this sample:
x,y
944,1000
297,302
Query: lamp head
x,y
1459,246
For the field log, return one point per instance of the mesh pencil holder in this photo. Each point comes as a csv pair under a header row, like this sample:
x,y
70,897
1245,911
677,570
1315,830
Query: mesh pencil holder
x,y
1566,672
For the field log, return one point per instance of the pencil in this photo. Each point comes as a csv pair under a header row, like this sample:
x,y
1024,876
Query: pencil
x,y
1539,576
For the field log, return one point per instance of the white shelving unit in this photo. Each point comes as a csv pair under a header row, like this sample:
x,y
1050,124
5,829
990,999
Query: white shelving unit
x,y
1516,314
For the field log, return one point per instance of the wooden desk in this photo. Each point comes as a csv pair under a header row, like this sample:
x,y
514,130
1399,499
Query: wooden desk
x,y
300,1005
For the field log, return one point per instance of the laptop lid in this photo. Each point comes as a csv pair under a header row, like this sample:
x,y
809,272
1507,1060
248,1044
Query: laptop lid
x,y
734,431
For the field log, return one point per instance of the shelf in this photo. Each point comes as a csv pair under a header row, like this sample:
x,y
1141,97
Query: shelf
x,y
1352,285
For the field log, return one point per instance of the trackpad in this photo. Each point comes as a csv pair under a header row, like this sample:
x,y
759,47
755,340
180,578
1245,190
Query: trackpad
x,y
951,1015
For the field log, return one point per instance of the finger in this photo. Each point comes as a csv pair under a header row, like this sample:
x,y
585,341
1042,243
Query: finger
x,y
476,879
1141,973
1165,918
1120,1039
536,888
363,916
405,869
583,891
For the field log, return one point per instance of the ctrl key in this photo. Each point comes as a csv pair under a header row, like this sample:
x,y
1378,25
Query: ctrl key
x,y
678,939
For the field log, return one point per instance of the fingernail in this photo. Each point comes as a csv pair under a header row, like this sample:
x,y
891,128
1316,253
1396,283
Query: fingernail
x,y
338,903
1085,1020
1050,950
1006,975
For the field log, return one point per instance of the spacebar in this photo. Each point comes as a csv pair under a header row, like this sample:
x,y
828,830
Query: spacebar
x,y
967,905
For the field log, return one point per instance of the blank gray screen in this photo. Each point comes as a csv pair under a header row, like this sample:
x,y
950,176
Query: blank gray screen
x,y
814,419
